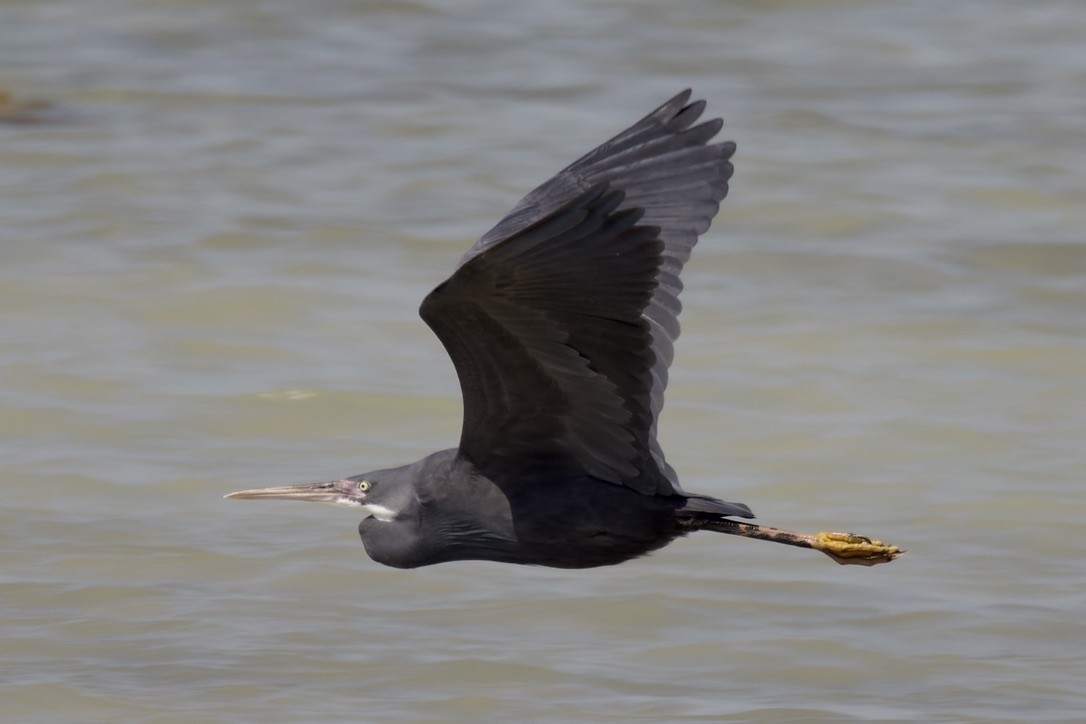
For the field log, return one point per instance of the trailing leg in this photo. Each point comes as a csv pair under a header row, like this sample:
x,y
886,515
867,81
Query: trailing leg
x,y
845,548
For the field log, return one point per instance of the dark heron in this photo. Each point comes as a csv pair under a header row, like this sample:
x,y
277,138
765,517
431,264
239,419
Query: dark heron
x,y
561,322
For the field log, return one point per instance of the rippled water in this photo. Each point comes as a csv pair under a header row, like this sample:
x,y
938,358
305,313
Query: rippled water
x,y
214,235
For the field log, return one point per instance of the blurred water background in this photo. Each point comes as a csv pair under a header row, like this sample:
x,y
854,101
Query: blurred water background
x,y
218,222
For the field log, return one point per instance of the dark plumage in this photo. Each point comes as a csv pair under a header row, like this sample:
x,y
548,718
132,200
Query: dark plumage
x,y
561,322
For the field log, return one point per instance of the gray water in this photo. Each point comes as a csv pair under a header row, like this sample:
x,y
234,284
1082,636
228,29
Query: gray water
x,y
216,230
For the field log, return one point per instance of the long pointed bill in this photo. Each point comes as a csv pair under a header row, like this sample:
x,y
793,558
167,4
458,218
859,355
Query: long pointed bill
x,y
339,491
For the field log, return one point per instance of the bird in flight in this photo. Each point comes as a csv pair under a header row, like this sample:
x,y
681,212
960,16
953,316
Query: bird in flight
x,y
561,323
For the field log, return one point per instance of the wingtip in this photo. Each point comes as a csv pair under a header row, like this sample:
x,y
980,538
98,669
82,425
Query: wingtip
x,y
670,108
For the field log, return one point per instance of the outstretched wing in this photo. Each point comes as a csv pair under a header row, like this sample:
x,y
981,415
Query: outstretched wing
x,y
561,320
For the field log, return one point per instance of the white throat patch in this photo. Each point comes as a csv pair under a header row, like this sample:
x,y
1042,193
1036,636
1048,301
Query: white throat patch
x,y
379,512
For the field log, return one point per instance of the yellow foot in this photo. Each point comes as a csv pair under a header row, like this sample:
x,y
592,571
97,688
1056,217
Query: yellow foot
x,y
855,550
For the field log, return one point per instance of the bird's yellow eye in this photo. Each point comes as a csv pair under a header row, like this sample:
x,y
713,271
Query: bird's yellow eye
x,y
363,486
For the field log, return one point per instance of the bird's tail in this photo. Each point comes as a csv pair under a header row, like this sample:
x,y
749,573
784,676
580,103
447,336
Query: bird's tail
x,y
697,503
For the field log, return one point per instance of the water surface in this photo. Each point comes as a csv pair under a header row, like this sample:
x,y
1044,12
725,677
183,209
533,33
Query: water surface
x,y
213,244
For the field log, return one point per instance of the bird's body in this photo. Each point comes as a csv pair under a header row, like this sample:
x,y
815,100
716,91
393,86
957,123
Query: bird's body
x,y
542,518
560,322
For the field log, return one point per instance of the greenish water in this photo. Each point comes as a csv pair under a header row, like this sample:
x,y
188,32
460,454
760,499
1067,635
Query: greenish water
x,y
212,248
